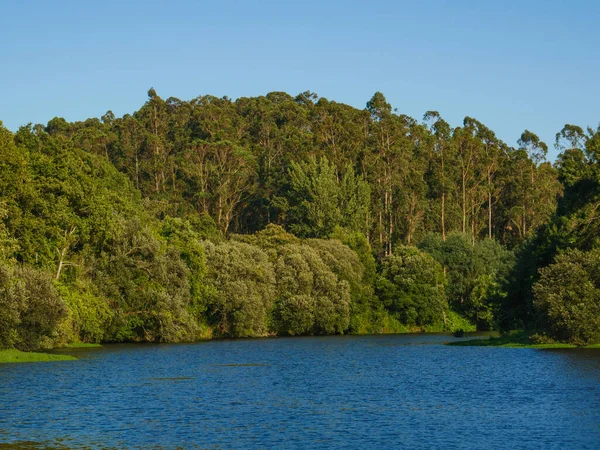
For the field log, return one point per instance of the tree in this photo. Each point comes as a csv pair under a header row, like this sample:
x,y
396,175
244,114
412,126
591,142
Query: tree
x,y
441,162
147,284
536,151
241,288
310,297
411,285
30,308
567,297
321,200
476,274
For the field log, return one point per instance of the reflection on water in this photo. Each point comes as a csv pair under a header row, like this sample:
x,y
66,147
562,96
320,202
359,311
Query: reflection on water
x,y
403,391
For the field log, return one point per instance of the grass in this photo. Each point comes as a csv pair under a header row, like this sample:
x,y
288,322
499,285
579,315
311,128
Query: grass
x,y
82,345
518,339
17,356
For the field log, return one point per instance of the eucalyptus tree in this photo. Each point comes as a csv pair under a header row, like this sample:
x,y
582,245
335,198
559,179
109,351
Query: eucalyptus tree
x,y
321,200
391,146
536,151
468,157
441,162
413,189
154,117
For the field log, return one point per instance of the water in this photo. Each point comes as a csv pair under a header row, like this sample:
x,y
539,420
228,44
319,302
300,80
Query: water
x,y
402,391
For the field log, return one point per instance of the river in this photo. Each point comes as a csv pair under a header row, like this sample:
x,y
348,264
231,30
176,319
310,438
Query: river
x,y
394,391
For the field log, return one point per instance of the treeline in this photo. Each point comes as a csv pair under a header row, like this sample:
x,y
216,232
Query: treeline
x,y
285,215
310,164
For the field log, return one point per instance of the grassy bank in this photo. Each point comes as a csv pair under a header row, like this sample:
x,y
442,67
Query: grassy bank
x,y
17,356
82,345
518,339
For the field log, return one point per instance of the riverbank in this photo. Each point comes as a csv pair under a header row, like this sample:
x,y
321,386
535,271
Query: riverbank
x,y
515,340
17,356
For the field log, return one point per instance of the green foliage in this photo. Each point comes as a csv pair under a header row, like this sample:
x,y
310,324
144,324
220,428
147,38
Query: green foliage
x,y
30,308
241,288
411,285
476,273
573,226
89,314
456,322
7,244
310,297
10,309
341,260
567,297
359,243
321,200
116,211
271,239
147,283
185,237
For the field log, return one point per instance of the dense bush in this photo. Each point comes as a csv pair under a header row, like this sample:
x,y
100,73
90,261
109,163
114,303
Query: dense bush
x,y
241,288
476,274
411,285
310,297
30,308
147,284
567,297
89,312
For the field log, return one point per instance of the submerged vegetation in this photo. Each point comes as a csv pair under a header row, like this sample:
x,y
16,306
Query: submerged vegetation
x,y
283,215
519,339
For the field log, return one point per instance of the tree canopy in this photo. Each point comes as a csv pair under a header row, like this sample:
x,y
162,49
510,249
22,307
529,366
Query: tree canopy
x,y
287,215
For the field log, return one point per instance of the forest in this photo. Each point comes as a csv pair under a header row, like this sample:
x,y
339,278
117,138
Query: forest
x,y
281,215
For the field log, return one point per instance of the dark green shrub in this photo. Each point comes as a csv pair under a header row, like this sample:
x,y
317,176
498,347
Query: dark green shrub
x,y
567,297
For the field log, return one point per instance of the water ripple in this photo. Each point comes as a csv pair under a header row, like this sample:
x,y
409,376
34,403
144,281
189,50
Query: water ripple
x,y
406,391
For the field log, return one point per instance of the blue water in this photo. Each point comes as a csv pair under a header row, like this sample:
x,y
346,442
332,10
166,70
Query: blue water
x,y
401,391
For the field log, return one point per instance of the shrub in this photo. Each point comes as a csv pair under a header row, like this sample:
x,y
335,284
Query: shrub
x,y
311,299
411,285
241,288
567,297
30,308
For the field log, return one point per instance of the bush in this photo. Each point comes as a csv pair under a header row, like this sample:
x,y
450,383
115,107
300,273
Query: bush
x,y
147,283
310,297
88,312
567,297
411,285
476,274
241,288
30,308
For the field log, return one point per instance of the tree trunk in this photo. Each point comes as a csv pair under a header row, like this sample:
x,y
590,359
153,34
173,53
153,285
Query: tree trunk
x,y
464,204
490,215
443,216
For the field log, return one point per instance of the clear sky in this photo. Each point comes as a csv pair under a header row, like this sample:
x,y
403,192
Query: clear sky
x,y
510,64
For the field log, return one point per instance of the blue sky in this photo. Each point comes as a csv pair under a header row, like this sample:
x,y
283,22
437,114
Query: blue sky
x,y
512,64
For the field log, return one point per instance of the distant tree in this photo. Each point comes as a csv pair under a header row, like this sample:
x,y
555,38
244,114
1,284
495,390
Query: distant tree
x,y
322,200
